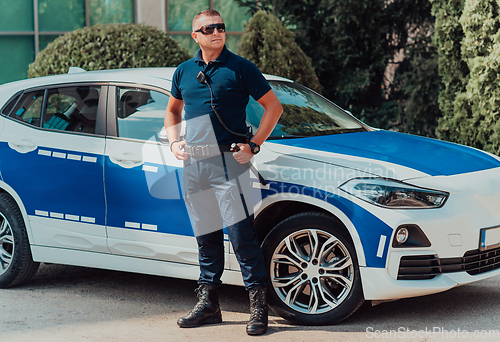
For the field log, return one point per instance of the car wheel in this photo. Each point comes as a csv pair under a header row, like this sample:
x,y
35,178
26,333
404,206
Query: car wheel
x,y
16,262
313,270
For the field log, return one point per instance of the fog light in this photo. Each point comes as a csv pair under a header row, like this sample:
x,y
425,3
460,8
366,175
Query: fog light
x,y
402,235
409,235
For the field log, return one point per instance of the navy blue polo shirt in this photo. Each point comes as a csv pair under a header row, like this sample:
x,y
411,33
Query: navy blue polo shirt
x,y
233,79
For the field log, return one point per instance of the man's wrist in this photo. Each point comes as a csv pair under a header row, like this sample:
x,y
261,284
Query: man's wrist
x,y
172,144
254,148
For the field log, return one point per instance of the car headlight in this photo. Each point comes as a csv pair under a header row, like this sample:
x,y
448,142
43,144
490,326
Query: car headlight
x,y
394,194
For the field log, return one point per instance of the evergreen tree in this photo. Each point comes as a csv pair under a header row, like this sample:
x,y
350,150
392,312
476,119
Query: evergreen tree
x,y
416,87
468,39
476,121
453,70
271,46
351,44
346,41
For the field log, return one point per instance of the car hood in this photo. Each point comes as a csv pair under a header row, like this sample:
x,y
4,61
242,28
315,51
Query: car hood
x,y
388,154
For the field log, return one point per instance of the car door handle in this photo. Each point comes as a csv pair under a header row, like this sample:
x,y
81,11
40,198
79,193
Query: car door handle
x,y
126,160
22,146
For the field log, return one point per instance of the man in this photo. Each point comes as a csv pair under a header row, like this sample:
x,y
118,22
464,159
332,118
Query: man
x,y
216,178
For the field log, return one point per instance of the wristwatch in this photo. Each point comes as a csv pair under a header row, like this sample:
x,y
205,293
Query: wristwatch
x,y
254,147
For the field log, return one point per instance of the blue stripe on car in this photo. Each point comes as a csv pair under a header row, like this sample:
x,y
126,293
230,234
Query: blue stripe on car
x,y
49,182
433,157
139,199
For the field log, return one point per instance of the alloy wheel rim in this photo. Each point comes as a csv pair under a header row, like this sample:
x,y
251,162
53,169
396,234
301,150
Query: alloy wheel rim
x,y
6,244
312,271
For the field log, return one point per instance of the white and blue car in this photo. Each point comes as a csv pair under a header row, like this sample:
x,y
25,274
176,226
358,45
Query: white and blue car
x,y
348,213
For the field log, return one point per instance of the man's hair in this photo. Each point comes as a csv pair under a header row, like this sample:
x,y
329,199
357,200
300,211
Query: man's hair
x,y
206,13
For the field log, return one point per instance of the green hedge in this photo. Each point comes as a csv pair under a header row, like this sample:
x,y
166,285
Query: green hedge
x,y
110,46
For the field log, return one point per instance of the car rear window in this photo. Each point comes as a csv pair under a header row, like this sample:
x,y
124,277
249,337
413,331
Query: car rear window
x,y
8,108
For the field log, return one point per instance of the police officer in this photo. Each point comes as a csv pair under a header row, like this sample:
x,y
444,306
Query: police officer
x,y
216,176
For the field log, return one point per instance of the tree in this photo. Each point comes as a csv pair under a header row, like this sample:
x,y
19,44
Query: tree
x,y
475,120
271,46
453,70
468,38
110,46
416,83
351,43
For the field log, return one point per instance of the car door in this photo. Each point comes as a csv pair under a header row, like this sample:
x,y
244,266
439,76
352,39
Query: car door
x,y
146,214
51,154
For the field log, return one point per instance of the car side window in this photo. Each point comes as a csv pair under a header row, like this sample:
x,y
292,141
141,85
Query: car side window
x,y
72,108
140,112
29,108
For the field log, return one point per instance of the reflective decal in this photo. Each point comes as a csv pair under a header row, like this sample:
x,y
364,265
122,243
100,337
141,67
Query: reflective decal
x,y
381,246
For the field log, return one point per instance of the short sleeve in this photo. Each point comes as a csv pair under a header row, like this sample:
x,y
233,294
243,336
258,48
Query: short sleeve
x,y
255,83
176,90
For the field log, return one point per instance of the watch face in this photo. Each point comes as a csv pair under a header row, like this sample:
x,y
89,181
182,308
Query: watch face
x,y
254,147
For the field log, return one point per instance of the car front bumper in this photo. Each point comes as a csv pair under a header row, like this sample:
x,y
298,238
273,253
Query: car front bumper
x,y
378,284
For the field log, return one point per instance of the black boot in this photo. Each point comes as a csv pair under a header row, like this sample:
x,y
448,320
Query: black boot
x,y
258,311
206,311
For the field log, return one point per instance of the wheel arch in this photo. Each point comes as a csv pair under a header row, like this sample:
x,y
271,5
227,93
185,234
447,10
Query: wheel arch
x,y
276,208
5,188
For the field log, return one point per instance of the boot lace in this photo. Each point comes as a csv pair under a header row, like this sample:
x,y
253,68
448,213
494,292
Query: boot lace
x,y
202,294
258,304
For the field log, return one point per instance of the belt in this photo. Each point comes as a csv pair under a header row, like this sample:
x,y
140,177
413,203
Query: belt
x,y
206,150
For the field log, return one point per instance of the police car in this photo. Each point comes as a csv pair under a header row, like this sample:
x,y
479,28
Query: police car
x,y
347,213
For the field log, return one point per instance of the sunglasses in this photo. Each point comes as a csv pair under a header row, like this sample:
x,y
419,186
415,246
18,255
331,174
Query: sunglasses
x,y
209,29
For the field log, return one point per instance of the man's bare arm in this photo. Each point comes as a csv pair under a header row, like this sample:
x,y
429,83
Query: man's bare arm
x,y
173,124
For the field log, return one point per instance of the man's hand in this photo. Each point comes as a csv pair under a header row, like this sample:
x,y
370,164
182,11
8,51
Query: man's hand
x,y
243,153
177,150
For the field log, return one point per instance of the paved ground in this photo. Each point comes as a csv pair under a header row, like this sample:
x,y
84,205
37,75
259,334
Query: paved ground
x,y
65,303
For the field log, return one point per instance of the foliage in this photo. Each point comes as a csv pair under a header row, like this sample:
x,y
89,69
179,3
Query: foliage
x,y
271,46
468,38
343,39
453,70
110,46
416,88
351,44
477,108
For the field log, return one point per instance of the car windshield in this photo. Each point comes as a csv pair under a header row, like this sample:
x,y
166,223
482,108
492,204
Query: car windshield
x,y
305,114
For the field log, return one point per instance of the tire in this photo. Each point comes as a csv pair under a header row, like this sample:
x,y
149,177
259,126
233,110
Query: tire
x,y
312,286
16,262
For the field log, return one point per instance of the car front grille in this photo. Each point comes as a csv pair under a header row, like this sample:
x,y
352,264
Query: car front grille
x,y
417,267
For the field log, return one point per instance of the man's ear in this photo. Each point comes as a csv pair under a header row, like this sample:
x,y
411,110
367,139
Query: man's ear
x,y
195,36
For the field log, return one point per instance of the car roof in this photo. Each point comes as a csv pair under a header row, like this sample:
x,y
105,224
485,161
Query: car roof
x,y
152,76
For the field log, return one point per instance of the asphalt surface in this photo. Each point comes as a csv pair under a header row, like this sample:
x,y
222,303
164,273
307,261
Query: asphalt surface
x,y
65,303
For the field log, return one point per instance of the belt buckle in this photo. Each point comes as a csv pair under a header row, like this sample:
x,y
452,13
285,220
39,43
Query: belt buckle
x,y
200,151
205,151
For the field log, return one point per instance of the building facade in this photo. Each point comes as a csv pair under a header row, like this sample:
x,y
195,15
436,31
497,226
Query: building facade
x,y
28,26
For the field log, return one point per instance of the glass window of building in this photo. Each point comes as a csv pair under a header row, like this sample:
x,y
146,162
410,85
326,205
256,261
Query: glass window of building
x,y
28,26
